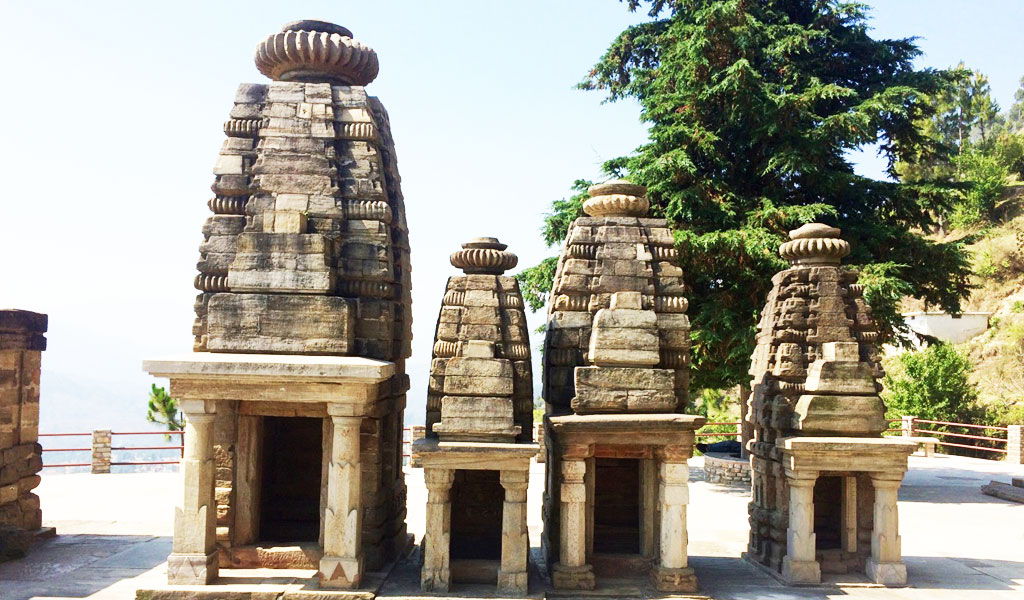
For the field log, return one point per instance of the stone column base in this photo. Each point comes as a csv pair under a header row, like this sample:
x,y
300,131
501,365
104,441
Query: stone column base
x,y
435,580
514,583
340,572
572,578
191,569
800,571
888,573
674,580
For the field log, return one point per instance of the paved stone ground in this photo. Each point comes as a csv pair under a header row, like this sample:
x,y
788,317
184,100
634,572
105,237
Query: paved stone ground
x,y
114,535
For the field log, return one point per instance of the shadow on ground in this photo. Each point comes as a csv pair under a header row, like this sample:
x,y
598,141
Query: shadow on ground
x,y
76,566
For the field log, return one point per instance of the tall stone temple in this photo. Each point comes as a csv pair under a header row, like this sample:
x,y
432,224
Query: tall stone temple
x,y
476,455
616,371
824,480
293,396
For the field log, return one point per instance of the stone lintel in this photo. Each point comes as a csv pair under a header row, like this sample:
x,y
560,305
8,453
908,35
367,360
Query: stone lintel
x,y
653,430
348,385
845,454
481,456
271,367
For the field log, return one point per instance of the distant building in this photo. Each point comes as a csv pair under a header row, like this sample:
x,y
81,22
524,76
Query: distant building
x,y
946,327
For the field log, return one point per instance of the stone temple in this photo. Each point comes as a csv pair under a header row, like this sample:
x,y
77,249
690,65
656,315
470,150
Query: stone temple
x,y
824,480
294,393
476,455
616,371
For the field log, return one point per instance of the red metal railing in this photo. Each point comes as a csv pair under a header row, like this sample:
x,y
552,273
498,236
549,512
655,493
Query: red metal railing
x,y
180,448
89,435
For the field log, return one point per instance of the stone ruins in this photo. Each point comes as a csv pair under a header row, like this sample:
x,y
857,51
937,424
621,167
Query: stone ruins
x,y
824,480
294,392
476,455
21,346
616,362
294,395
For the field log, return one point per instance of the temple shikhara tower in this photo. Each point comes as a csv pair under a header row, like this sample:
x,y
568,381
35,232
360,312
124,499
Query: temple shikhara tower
x,y
616,372
476,455
294,393
824,480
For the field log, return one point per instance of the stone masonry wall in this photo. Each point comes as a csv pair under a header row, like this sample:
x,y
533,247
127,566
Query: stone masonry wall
x,y
21,346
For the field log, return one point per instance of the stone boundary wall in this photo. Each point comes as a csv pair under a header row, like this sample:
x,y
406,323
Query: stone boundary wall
x,y
726,470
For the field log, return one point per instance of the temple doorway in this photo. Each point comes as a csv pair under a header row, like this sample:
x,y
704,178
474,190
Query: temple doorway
x,y
475,551
290,487
616,506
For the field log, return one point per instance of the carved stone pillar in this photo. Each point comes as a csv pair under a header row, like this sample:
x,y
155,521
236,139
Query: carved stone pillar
x,y
673,574
572,571
515,539
436,573
800,564
193,558
886,565
342,562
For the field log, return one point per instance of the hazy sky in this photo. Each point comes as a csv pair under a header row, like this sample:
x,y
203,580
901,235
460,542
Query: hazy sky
x,y
112,122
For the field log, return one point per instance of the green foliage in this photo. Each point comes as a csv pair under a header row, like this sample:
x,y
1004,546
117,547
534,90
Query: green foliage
x,y
753,108
987,176
163,410
715,405
536,282
1017,306
932,383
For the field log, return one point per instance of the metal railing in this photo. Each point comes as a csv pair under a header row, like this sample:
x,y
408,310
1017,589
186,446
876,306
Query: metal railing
x,y
998,445
101,450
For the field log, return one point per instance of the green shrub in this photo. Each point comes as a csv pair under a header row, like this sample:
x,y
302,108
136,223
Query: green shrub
x,y
932,383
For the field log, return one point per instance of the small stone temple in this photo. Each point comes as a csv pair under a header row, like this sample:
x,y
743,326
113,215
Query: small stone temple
x,y
476,454
293,396
824,480
616,362
21,345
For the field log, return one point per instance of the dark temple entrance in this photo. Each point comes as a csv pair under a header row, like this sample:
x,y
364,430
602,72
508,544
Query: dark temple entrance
x,y
616,506
477,498
290,488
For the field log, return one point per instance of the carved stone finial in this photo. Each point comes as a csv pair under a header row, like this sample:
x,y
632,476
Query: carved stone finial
x,y
484,255
617,198
814,244
316,52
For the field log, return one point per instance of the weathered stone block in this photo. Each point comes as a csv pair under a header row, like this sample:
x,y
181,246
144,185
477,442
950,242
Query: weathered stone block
x,y
280,323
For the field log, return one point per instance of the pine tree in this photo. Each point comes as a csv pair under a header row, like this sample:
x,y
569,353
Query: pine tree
x,y
163,410
753,107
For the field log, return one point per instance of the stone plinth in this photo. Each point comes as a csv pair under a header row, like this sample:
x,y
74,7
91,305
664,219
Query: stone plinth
x,y
346,393
441,460
883,462
726,469
658,445
21,345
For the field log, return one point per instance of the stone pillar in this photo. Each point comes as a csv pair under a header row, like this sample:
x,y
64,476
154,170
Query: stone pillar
x,y
342,562
436,573
21,346
673,573
886,563
538,437
418,433
101,443
193,558
1015,444
515,540
800,564
907,425
572,572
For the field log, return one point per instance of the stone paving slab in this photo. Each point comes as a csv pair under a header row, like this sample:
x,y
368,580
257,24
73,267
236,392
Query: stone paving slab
x,y
114,536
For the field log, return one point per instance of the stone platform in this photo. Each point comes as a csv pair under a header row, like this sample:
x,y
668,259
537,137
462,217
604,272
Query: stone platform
x,y
114,538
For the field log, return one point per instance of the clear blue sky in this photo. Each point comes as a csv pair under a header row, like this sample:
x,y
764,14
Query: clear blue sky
x,y
113,113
